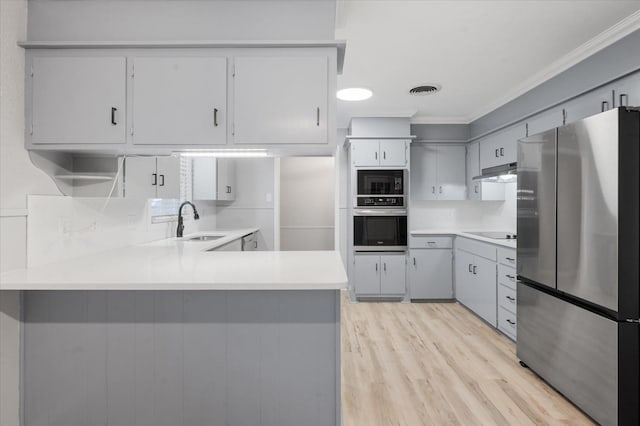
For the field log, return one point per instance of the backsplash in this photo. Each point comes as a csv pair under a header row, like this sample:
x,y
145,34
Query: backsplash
x,y
60,227
467,215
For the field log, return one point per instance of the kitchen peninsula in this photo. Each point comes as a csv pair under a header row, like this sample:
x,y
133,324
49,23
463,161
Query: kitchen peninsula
x,y
169,333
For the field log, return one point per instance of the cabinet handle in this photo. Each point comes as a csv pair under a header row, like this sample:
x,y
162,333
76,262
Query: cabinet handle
x,y
113,115
384,155
511,277
512,299
470,266
497,150
318,116
476,188
228,189
376,153
474,269
433,189
414,261
161,180
215,117
511,322
604,106
376,267
385,266
255,244
501,152
155,179
626,99
440,190
510,259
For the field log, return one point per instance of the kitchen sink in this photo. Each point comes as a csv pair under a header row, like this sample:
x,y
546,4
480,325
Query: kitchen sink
x,y
205,238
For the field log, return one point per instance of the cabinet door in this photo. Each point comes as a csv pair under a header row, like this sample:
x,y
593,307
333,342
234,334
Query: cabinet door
x,y
451,173
590,103
393,279
393,153
501,147
424,172
140,177
78,100
464,280
179,100
473,169
545,121
168,169
430,273
484,289
226,179
367,274
365,153
205,178
280,100
628,91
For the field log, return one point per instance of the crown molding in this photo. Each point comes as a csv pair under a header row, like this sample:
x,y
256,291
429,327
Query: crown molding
x,y
618,31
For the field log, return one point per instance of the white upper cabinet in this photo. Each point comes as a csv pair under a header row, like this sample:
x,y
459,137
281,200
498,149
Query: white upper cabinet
x,y
281,99
179,100
214,179
501,147
438,172
476,189
152,177
77,100
379,153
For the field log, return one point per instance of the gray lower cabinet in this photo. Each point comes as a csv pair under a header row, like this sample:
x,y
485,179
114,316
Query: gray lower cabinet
x,y
430,274
476,285
380,275
507,293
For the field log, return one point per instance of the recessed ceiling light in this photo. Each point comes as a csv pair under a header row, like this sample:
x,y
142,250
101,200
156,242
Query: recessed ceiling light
x,y
354,94
425,89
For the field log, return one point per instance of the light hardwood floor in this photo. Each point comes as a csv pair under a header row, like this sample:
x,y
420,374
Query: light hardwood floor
x,y
438,364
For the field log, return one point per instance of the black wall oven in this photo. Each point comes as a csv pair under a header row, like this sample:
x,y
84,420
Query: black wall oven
x,y
380,230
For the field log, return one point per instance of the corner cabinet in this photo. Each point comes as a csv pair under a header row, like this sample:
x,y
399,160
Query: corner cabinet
x,y
438,172
280,99
77,100
179,100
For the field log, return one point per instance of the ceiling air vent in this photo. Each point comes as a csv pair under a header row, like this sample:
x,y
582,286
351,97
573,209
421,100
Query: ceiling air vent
x,y
426,89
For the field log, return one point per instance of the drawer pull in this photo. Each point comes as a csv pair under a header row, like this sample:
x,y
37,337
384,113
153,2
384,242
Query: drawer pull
x,y
511,277
511,322
510,259
512,299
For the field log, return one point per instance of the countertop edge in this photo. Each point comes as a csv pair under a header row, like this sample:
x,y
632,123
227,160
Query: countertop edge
x,y
464,234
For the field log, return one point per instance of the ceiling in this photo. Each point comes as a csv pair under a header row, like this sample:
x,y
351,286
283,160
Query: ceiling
x,y
483,53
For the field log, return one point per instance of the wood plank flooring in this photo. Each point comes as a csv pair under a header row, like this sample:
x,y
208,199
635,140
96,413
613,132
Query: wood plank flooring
x,y
436,364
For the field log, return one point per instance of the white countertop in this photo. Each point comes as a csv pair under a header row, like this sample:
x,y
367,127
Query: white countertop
x,y
503,243
179,264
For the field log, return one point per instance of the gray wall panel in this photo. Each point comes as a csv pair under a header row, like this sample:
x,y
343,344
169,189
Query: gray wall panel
x,y
440,132
181,358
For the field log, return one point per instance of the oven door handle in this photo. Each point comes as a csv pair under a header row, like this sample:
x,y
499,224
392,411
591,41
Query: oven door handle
x,y
379,212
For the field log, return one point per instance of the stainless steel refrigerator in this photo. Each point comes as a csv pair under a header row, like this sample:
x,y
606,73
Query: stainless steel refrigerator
x,y
578,252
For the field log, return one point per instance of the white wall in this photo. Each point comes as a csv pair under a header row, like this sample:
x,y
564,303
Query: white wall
x,y
307,200
467,215
254,204
17,179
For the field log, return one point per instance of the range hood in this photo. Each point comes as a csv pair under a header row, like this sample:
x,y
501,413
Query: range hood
x,y
503,173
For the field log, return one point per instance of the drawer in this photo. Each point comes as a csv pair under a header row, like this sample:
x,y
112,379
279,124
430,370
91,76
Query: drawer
x,y
507,256
507,276
507,298
507,323
488,251
426,241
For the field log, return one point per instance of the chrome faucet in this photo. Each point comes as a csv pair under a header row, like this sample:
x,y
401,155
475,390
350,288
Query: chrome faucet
x,y
196,216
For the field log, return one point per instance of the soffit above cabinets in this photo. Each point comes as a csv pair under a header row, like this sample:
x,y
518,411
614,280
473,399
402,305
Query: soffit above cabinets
x,y
482,53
